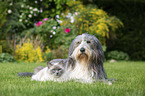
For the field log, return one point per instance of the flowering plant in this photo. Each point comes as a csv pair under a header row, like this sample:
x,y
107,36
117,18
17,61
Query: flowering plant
x,y
64,36
46,28
90,19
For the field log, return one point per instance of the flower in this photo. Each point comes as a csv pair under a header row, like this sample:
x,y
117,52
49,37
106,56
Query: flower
x,y
41,10
54,27
30,7
67,30
11,4
57,16
30,15
45,19
31,12
50,36
26,20
35,1
9,11
20,20
53,33
22,6
35,9
39,23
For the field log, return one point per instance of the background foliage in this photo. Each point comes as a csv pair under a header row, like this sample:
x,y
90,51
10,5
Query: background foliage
x,y
53,24
131,38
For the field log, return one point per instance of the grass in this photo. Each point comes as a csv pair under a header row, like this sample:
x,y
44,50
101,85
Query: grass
x,y
130,82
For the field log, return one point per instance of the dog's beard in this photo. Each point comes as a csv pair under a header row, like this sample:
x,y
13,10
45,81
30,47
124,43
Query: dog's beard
x,y
82,58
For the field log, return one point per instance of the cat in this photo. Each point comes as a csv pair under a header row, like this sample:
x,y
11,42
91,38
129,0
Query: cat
x,y
55,71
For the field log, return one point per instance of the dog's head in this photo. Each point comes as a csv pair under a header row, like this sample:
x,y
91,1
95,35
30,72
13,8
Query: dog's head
x,y
87,49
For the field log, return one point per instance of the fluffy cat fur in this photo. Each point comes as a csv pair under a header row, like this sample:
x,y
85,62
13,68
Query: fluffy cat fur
x,y
47,74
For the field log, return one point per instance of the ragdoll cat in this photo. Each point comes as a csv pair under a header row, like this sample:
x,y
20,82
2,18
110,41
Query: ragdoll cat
x,y
54,71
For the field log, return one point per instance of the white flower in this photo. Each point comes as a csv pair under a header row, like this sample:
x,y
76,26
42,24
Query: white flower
x,y
30,8
53,33
50,36
41,10
72,19
22,6
35,14
54,27
41,0
9,11
26,20
31,12
20,20
59,21
20,16
35,1
76,13
62,14
24,0
68,15
35,9
57,16
11,4
30,15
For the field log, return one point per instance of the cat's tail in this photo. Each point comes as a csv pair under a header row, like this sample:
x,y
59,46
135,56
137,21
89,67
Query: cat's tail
x,y
25,74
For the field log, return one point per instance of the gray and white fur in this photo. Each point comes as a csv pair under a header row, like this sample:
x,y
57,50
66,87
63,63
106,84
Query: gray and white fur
x,y
55,71
87,55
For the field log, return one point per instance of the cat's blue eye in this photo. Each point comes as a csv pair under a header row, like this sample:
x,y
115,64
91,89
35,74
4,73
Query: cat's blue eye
x,y
53,70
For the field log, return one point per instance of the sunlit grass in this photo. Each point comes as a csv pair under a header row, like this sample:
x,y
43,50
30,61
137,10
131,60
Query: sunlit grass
x,y
130,81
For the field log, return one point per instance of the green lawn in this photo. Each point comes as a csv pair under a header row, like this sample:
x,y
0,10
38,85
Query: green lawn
x,y
130,82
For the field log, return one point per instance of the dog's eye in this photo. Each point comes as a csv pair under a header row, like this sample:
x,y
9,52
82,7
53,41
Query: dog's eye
x,y
88,41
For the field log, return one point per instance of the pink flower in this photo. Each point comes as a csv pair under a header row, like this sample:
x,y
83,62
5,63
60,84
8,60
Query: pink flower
x,y
45,19
39,23
67,30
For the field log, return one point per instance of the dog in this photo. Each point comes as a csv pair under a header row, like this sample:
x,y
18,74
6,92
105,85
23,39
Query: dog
x,y
87,55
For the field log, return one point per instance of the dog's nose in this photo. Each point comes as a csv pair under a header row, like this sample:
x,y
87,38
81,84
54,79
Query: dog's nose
x,y
82,49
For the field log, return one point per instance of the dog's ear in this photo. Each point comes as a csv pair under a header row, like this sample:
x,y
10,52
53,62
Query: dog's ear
x,y
99,49
99,61
49,64
71,48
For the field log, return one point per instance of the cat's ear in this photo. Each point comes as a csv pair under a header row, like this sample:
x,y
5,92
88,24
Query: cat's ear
x,y
49,64
61,62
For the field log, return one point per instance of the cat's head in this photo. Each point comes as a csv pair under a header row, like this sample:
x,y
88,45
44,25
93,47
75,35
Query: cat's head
x,y
56,69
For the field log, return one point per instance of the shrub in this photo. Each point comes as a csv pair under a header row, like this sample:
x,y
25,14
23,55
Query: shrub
x,y
28,53
5,47
64,36
6,57
92,20
45,28
117,55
